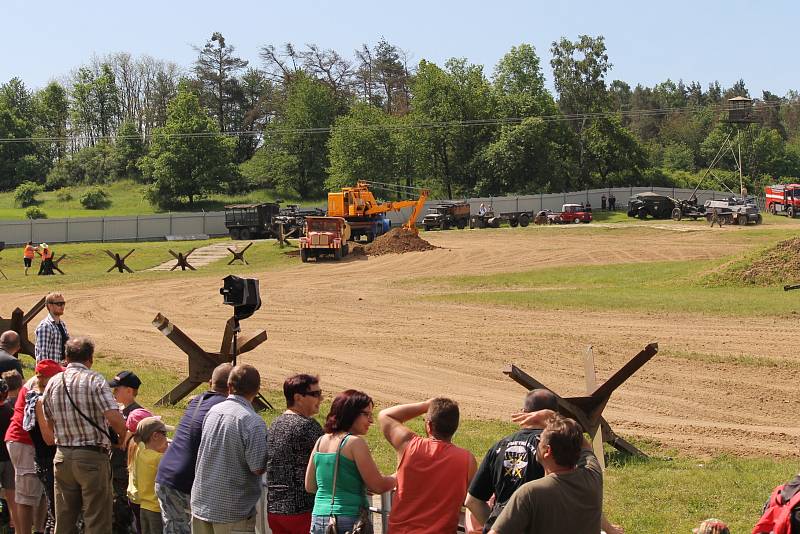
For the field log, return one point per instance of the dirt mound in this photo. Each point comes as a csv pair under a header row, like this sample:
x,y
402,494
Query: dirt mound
x,y
776,265
398,241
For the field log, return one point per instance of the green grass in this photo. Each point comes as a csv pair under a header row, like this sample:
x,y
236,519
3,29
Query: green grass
x,y
86,264
127,198
665,493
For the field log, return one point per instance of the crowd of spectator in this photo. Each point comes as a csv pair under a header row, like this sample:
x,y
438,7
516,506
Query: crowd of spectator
x,y
81,455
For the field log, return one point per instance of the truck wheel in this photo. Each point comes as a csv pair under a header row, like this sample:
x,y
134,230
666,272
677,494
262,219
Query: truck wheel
x,y
791,212
495,223
461,223
513,223
576,220
741,219
235,233
370,237
345,250
759,219
244,234
443,225
427,228
337,254
524,220
642,215
304,255
677,214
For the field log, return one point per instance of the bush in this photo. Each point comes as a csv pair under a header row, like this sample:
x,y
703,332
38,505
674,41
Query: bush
x,y
25,193
94,199
35,213
63,196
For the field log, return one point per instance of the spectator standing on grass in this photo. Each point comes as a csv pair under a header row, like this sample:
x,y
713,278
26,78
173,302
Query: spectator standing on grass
x,y
292,436
231,459
9,347
177,467
6,467
509,463
342,455
79,405
43,440
125,387
52,333
603,202
28,253
29,491
151,434
432,474
569,498
612,202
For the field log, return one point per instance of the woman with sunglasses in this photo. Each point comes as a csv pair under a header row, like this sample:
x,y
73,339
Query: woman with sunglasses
x,y
348,421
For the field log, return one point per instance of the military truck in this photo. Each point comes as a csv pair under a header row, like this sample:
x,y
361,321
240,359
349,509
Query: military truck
x,y
446,215
648,204
489,219
325,236
733,210
249,221
292,217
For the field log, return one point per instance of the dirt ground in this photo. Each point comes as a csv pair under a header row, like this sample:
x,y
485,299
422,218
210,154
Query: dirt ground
x,y
356,324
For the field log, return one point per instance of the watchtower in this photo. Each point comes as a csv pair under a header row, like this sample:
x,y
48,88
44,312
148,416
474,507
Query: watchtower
x,y
740,110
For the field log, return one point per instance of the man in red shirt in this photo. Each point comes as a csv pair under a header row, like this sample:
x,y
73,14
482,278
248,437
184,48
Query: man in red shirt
x,y
432,474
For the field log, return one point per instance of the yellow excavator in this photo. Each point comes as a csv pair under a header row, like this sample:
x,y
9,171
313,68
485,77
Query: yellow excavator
x,y
358,206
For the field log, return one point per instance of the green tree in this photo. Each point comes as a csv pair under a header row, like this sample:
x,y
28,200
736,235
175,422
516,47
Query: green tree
x,y
128,150
216,67
296,141
678,156
18,160
188,158
611,149
51,106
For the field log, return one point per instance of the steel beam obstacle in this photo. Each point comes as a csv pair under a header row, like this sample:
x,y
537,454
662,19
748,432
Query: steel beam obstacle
x,y
202,362
19,323
119,261
588,410
56,262
239,254
183,260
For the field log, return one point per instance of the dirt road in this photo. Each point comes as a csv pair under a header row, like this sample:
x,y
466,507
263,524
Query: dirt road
x,y
359,323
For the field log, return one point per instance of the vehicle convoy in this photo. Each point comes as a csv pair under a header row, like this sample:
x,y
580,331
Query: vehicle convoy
x,y
783,198
648,204
489,219
365,215
446,215
325,236
292,217
733,210
249,221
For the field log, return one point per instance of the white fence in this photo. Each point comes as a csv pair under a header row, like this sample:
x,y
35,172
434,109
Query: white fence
x,y
156,227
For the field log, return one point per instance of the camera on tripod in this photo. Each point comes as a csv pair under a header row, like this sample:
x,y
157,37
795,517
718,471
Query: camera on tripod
x,y
242,294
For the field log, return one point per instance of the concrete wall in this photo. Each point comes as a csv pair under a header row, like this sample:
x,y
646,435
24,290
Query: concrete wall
x,y
156,227
127,228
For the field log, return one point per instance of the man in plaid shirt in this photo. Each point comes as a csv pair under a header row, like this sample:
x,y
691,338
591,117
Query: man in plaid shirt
x,y
51,334
82,467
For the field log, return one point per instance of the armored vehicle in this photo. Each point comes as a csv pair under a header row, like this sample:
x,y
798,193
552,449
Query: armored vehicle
x,y
292,217
248,221
447,215
649,204
733,210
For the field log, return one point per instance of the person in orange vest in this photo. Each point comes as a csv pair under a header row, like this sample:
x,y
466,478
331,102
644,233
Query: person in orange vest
x,y
27,256
46,266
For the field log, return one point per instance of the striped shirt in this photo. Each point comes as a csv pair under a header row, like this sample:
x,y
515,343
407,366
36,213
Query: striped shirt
x,y
50,341
91,393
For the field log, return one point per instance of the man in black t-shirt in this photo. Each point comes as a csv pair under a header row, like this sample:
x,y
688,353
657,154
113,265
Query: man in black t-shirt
x,y
509,463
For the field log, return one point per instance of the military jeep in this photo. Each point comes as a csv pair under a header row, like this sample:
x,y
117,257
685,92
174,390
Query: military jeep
x,y
652,205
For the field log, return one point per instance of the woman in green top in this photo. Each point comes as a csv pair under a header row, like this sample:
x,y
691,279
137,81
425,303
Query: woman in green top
x,y
348,420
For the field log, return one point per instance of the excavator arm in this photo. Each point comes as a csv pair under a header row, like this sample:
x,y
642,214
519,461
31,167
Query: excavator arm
x,y
411,223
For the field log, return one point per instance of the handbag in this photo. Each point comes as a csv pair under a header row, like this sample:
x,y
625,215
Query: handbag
x,y
364,523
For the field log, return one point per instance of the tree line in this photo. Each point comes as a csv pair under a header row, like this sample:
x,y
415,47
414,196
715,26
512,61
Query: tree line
x,y
303,120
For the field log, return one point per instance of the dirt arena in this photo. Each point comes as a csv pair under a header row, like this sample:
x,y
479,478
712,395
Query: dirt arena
x,y
359,324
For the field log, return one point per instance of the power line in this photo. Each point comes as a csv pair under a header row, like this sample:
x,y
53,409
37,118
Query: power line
x,y
500,121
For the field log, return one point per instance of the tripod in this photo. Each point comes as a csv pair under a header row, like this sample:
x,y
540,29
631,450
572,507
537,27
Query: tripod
x,y
236,329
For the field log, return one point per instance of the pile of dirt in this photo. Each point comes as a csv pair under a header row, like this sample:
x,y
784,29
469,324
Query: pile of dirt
x,y
398,241
776,265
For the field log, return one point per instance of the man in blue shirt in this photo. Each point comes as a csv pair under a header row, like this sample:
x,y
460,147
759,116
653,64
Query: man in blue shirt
x,y
176,470
231,459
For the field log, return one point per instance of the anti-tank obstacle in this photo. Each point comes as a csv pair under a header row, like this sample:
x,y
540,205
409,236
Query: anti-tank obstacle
x,y
119,261
588,410
19,323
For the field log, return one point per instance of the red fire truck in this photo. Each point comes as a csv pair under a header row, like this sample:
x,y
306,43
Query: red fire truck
x,y
783,198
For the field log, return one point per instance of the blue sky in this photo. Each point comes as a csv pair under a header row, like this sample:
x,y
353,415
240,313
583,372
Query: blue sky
x,y
647,42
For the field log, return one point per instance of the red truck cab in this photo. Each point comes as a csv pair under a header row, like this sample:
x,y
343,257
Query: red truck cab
x,y
575,213
783,198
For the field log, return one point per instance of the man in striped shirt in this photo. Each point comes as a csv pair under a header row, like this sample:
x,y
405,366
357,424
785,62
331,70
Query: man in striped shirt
x,y
79,406
51,334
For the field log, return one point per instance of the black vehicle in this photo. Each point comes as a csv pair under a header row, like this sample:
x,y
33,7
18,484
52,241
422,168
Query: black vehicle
x,y
293,217
447,215
649,204
489,219
248,221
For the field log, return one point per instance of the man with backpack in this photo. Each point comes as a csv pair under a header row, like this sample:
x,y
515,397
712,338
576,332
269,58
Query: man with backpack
x,y
781,514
